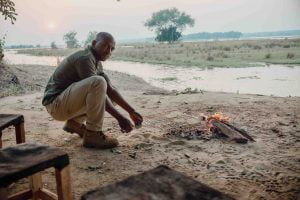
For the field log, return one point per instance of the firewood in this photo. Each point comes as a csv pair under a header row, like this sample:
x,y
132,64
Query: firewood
x,y
241,131
229,132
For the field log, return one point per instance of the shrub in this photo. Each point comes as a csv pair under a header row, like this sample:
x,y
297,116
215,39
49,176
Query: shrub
x,y
256,47
286,46
268,55
210,58
226,48
290,55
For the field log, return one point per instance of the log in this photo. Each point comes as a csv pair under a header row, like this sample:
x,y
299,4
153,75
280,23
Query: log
x,y
231,133
241,131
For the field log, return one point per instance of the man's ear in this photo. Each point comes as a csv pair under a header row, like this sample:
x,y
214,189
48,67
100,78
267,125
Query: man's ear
x,y
94,43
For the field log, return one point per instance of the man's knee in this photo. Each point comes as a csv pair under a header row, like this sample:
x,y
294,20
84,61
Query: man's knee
x,y
98,82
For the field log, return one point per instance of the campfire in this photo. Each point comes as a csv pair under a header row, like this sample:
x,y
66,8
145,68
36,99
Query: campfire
x,y
215,125
218,123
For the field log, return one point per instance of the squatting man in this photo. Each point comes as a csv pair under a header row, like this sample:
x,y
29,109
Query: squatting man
x,y
79,92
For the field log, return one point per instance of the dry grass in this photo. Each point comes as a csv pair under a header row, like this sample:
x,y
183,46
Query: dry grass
x,y
234,53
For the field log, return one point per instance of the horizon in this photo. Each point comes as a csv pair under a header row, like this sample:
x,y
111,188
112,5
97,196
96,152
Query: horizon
x,y
124,19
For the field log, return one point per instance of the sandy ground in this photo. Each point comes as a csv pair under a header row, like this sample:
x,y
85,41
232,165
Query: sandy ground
x,y
266,169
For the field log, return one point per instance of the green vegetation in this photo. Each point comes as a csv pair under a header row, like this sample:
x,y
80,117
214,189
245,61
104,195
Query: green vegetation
x,y
168,24
7,8
214,36
90,37
234,53
47,52
169,79
53,45
71,40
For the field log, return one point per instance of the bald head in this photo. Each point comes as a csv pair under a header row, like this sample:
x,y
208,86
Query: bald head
x,y
102,36
103,45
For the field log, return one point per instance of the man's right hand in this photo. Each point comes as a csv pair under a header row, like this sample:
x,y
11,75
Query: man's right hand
x,y
125,125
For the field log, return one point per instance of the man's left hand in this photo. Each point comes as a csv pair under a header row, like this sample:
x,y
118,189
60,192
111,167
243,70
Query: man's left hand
x,y
136,118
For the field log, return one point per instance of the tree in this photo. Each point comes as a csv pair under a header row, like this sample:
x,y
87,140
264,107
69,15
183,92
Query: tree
x,y
53,45
90,37
71,40
2,41
169,24
7,8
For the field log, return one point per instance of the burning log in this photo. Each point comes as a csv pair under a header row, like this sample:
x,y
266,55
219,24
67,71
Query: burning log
x,y
218,123
234,135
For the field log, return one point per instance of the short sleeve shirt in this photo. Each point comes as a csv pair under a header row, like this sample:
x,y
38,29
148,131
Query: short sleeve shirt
x,y
75,67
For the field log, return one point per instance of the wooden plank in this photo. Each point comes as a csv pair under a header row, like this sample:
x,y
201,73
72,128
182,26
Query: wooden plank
x,y
25,194
23,160
3,193
0,139
229,132
47,195
20,133
159,183
63,183
35,185
7,120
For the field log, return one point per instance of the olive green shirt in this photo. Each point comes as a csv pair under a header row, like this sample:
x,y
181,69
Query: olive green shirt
x,y
75,67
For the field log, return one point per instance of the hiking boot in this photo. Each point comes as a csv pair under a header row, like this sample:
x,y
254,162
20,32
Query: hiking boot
x,y
74,127
96,139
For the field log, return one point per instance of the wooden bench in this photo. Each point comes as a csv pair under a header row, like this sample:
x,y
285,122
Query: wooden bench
x,y
25,160
17,121
160,183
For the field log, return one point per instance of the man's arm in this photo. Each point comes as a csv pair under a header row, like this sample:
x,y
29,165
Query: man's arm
x,y
124,123
115,96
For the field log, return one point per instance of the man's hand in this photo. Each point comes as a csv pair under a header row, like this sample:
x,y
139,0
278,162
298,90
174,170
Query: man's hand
x,y
137,119
125,125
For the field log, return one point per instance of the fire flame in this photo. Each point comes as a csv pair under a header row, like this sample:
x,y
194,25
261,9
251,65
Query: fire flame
x,y
217,116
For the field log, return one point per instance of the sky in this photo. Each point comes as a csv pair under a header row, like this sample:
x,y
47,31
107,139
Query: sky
x,y
44,21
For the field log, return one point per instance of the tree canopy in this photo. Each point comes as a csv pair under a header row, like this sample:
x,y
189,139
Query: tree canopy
x,y
169,24
90,37
71,40
7,8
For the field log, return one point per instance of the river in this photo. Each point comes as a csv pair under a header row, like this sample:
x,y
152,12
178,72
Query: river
x,y
277,80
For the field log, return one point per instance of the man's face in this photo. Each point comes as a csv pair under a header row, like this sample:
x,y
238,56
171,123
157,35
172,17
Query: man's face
x,y
104,48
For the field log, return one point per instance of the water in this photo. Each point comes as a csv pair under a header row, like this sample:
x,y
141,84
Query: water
x,y
277,80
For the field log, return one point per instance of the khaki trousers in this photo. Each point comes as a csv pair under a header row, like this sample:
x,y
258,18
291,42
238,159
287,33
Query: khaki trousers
x,y
82,100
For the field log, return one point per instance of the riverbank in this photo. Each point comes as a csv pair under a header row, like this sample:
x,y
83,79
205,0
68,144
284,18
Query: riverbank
x,y
232,53
265,169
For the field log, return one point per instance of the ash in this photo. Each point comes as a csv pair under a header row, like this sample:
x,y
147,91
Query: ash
x,y
191,132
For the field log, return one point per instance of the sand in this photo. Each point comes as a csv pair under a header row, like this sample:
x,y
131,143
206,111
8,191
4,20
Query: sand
x,y
266,169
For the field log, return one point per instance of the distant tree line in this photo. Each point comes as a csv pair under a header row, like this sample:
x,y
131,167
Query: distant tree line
x,y
20,46
275,33
214,35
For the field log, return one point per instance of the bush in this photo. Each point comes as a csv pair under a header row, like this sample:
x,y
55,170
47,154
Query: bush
x,y
267,56
226,49
290,55
286,46
210,58
256,47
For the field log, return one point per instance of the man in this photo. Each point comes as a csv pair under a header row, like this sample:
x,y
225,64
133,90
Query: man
x,y
79,91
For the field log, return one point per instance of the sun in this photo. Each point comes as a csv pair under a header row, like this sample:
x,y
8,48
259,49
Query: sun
x,y
51,25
